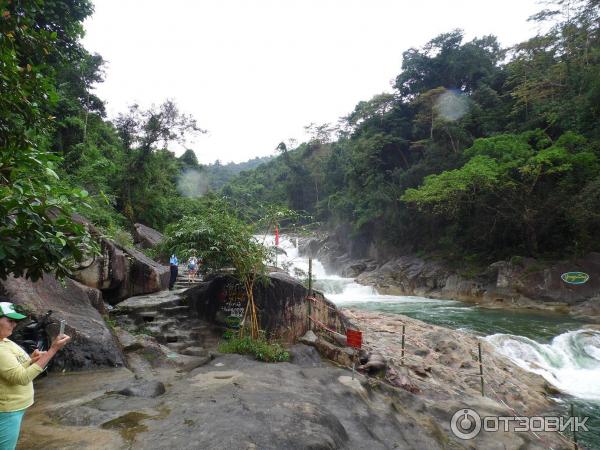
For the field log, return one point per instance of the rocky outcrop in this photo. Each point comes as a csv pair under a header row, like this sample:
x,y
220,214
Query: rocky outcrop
x,y
93,345
526,284
239,404
283,308
146,237
121,273
519,283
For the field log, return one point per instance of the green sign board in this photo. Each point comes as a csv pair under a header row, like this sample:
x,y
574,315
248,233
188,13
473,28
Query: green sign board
x,y
575,277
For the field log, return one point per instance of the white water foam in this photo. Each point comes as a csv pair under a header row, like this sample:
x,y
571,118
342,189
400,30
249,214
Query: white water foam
x,y
571,362
337,289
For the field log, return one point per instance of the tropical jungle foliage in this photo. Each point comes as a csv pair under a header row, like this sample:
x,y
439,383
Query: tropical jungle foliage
x,y
480,152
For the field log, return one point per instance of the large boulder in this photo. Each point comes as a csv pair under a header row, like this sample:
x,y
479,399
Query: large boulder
x,y
93,344
281,302
146,237
121,273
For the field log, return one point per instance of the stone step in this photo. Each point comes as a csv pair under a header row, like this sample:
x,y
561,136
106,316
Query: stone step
x,y
175,310
184,285
180,346
147,316
152,302
194,351
161,326
173,336
201,334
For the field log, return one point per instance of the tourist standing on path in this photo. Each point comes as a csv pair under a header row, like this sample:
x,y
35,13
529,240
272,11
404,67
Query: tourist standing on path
x,y
174,264
192,266
17,370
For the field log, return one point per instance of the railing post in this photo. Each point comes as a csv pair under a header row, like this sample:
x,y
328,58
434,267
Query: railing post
x,y
575,446
402,358
310,277
481,369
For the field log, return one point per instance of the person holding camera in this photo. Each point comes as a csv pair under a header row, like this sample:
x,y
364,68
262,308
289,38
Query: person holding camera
x,y
17,370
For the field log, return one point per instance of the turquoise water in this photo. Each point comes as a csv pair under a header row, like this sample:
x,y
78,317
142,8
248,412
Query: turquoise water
x,y
457,315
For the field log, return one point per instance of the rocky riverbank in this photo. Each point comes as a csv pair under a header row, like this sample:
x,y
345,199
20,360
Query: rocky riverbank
x,y
234,402
518,283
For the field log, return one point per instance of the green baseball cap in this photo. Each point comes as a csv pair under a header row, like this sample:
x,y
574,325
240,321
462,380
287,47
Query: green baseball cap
x,y
8,309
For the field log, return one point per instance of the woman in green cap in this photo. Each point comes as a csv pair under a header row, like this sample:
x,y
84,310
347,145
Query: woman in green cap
x,y
17,370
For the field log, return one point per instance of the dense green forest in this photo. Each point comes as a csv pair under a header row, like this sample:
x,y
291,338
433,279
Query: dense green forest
x,y
479,150
220,174
59,154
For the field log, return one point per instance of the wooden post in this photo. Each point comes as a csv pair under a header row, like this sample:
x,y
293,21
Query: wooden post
x,y
402,359
309,293
481,369
575,446
310,277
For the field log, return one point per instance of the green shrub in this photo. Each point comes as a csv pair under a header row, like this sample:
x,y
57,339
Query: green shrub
x,y
260,348
517,261
110,322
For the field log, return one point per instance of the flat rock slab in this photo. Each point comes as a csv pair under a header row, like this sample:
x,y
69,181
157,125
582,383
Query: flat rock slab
x,y
152,302
195,351
237,403
146,389
304,356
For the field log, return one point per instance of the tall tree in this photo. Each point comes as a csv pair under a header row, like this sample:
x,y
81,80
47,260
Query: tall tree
x,y
36,229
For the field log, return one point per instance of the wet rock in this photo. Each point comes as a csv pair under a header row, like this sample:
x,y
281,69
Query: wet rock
x,y
309,338
121,272
375,363
146,389
195,351
354,270
341,355
145,236
401,380
93,344
282,305
238,403
192,362
128,341
304,356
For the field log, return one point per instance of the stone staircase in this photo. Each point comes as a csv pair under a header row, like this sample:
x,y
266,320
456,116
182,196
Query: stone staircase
x,y
183,281
167,317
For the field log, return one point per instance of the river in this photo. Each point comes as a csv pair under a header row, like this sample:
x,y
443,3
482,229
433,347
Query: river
x,y
559,348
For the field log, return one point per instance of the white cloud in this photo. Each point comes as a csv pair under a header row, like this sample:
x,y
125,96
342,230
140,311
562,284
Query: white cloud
x,y
254,72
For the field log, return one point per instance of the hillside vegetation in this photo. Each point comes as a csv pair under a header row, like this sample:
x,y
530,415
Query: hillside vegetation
x,y
480,151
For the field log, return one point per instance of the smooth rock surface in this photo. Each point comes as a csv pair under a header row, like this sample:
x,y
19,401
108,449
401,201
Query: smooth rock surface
x,y
121,273
146,389
236,403
93,344
145,236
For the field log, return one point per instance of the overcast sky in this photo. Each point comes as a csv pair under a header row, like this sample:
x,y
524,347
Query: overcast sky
x,y
255,72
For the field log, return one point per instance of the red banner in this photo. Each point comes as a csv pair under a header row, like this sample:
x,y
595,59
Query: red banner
x,y
354,338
